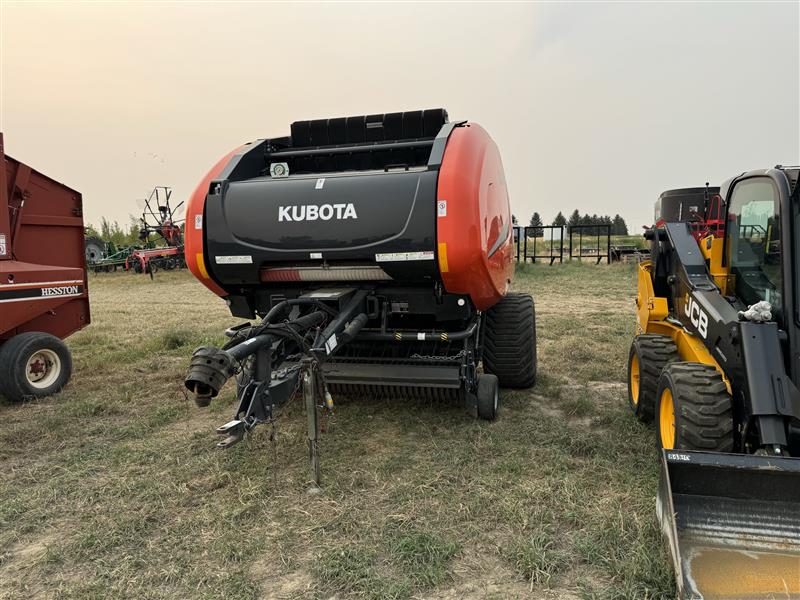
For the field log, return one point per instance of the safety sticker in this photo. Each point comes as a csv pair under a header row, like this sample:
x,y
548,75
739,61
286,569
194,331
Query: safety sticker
x,y
198,221
331,343
404,256
320,183
316,255
441,208
234,260
3,250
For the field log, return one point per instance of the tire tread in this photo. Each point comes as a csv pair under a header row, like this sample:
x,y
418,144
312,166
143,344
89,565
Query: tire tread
x,y
509,341
706,413
655,352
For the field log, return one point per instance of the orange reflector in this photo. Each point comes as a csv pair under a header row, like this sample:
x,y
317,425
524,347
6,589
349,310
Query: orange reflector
x,y
201,265
443,257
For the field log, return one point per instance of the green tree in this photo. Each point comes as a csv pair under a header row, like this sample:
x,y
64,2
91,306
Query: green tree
x,y
112,231
560,220
536,223
619,226
606,228
574,218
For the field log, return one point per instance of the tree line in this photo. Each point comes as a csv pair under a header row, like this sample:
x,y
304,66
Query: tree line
x,y
596,225
119,235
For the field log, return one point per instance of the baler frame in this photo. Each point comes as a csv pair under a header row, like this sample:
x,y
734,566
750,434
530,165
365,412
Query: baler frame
x,y
290,348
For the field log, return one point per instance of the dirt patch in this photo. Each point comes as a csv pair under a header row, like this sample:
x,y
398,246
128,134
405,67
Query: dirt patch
x,y
480,572
281,586
30,550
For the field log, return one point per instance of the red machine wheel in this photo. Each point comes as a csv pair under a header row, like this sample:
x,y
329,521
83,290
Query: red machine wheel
x,y
33,365
488,394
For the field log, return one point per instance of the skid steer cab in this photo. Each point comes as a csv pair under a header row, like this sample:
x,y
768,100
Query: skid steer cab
x,y
716,364
376,253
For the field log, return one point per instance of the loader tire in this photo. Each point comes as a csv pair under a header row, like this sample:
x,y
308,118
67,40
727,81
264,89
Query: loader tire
x,y
33,365
509,341
648,356
694,410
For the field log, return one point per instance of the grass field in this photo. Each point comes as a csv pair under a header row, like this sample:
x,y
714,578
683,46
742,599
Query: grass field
x,y
113,488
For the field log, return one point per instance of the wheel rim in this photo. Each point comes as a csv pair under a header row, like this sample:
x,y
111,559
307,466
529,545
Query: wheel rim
x,y
666,419
634,379
43,369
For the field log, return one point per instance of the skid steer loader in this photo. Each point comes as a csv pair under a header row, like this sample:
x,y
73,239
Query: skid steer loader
x,y
716,364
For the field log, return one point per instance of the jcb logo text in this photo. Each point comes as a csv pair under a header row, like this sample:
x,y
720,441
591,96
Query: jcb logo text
x,y
697,316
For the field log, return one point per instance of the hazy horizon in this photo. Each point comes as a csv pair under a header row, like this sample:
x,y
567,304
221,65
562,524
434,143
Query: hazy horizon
x,y
598,107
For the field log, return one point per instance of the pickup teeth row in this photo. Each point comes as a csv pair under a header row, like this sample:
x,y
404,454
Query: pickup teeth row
x,y
431,394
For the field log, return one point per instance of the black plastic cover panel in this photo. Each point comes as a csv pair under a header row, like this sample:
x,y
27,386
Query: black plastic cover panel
x,y
384,218
370,128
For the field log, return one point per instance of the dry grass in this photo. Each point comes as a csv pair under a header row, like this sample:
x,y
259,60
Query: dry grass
x,y
113,488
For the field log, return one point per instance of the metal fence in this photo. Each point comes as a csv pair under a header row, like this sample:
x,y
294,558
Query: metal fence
x,y
599,238
551,247
545,243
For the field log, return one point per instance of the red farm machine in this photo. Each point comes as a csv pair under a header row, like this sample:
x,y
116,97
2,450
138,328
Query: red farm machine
x,y
43,287
159,219
701,207
377,252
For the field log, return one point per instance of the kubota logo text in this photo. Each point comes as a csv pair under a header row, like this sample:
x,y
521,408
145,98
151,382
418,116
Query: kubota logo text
x,y
312,212
696,315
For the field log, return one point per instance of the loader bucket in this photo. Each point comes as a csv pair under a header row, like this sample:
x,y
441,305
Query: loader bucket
x,y
732,522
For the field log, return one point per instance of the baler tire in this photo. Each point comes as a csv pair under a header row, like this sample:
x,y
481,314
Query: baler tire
x,y
15,357
701,409
509,341
488,396
649,354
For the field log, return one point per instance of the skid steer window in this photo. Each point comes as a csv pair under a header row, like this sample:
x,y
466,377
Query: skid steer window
x,y
754,238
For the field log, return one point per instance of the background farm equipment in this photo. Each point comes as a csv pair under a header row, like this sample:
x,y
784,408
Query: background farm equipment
x,y
150,260
43,291
105,256
159,220
701,207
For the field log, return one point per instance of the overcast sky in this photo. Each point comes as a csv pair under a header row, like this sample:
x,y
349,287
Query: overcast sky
x,y
594,106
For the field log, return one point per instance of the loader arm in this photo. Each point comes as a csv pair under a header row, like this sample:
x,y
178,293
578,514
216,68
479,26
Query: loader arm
x,y
750,354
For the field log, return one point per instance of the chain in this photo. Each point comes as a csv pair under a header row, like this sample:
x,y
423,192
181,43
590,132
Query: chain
x,y
453,357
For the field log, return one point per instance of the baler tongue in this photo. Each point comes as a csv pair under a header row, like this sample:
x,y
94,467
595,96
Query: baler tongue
x,y
733,524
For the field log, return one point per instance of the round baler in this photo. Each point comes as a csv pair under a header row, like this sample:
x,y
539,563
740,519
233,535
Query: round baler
x,y
377,248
